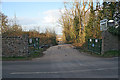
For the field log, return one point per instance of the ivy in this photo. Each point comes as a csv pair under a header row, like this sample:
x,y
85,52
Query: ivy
x,y
114,30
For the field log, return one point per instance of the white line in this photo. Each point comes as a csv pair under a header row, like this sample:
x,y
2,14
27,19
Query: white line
x,y
62,71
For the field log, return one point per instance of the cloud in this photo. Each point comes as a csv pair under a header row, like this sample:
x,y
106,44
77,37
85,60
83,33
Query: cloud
x,y
45,20
32,0
28,21
52,16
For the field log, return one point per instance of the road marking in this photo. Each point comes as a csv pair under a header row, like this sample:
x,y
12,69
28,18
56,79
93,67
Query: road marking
x,y
72,71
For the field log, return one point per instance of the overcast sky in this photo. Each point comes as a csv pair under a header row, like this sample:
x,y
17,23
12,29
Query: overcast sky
x,y
32,15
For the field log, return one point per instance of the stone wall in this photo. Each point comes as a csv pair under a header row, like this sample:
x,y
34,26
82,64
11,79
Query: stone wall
x,y
109,42
15,46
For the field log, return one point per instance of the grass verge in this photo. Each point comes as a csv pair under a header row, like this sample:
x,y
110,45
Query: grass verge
x,y
107,54
15,58
33,54
111,53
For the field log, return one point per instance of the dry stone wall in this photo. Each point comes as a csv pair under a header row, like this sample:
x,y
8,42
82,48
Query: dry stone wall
x,y
15,46
109,42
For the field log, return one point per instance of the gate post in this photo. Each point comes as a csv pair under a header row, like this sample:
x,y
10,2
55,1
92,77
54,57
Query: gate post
x,y
109,42
102,49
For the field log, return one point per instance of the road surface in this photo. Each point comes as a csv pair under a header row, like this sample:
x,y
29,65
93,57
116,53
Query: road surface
x,y
62,61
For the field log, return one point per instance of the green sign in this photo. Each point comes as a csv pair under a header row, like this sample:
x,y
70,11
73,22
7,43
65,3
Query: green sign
x,y
34,42
95,45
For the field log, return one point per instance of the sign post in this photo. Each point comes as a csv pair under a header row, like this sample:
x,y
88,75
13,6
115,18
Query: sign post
x,y
103,25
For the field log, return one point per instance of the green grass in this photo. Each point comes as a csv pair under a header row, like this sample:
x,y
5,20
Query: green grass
x,y
0,57
15,58
33,54
107,54
36,53
111,53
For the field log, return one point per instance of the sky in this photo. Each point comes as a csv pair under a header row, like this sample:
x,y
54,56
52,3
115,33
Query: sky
x,y
35,15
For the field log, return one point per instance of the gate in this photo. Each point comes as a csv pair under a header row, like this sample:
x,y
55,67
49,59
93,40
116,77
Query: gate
x,y
95,45
34,42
